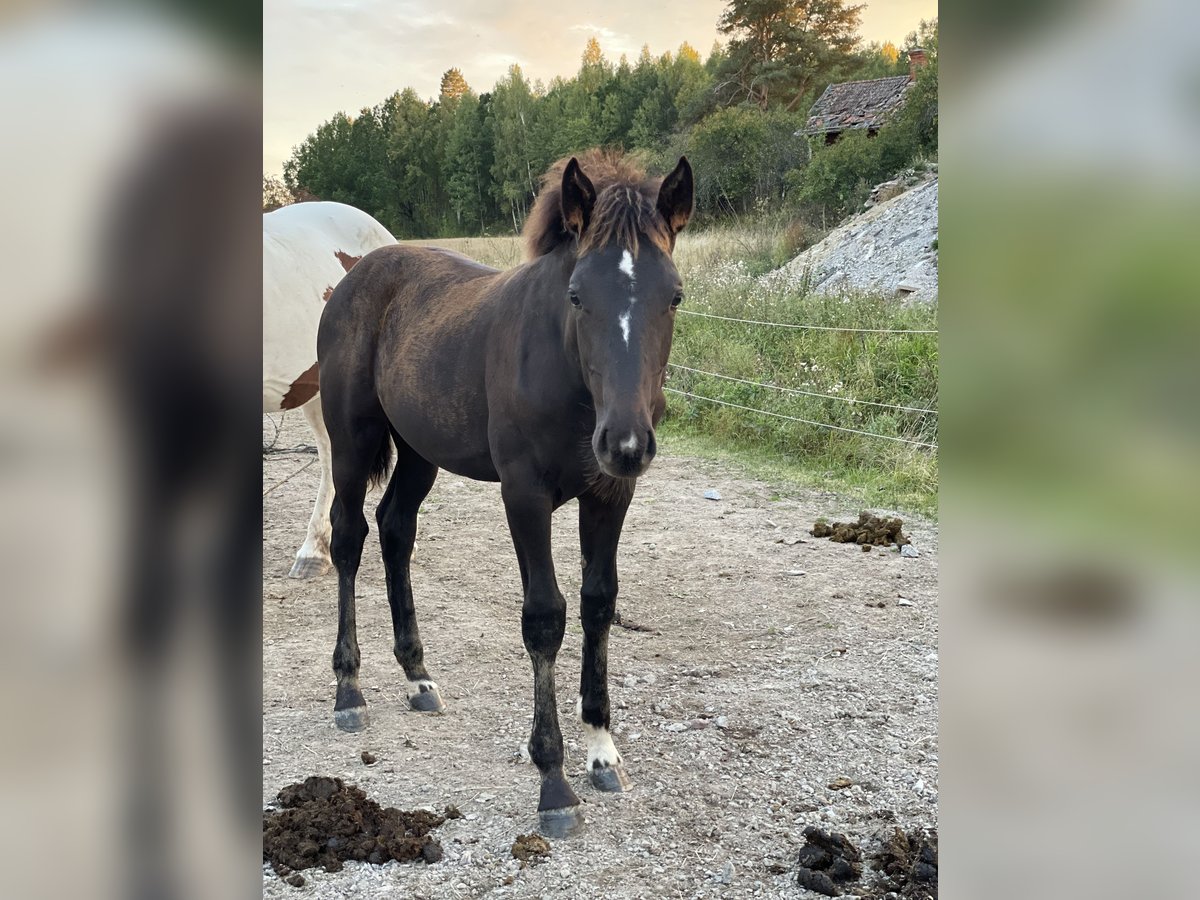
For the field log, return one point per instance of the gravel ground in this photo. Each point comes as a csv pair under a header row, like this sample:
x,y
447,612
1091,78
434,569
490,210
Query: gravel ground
x,y
776,664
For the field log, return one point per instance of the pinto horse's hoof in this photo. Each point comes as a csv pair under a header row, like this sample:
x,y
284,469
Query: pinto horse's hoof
x,y
309,567
353,719
610,779
560,823
426,698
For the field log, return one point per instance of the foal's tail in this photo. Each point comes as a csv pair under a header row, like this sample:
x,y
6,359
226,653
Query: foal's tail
x,y
381,466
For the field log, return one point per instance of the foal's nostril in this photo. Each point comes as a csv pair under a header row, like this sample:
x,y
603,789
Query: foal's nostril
x,y
625,450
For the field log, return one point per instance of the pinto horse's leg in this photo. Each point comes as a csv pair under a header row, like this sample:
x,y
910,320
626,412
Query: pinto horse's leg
x,y
313,558
543,621
599,531
351,471
396,516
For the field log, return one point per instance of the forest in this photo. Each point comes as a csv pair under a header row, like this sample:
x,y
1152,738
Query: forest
x,y
467,162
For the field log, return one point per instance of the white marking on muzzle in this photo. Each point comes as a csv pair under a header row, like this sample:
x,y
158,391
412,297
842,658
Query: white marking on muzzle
x,y
601,748
630,443
623,321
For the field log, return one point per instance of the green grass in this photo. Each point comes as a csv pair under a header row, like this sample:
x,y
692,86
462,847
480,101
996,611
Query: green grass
x,y
866,486
723,271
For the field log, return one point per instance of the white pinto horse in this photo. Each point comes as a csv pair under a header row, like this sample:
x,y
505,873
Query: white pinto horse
x,y
307,248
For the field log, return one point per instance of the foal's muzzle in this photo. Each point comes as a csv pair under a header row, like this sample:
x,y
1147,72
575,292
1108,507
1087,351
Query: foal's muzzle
x,y
624,452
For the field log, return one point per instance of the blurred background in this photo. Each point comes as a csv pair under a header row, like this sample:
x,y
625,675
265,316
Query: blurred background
x,y
1069,481
131,335
1069,437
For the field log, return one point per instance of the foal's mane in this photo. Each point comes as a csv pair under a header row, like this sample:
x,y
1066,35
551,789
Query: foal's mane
x,y
626,205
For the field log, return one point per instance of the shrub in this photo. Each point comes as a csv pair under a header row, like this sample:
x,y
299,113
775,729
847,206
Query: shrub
x,y
741,156
838,179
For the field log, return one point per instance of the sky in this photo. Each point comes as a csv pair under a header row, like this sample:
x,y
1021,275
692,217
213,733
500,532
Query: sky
x,y
325,56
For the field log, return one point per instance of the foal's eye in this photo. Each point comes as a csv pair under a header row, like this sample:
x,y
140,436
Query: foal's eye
x,y
573,296
677,299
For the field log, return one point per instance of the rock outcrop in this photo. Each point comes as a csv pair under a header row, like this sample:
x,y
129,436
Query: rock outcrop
x,y
890,248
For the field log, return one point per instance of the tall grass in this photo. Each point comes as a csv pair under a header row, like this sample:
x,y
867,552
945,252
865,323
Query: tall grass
x,y
729,272
501,252
724,275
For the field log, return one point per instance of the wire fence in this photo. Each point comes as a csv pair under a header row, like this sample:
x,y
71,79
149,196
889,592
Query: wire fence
x,y
269,448
764,412
788,390
853,401
807,327
920,411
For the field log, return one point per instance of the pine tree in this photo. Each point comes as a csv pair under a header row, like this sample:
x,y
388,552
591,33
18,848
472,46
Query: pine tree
x,y
454,85
592,54
779,48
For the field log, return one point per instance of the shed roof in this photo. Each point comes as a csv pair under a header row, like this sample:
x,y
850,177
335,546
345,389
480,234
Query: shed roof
x,y
856,104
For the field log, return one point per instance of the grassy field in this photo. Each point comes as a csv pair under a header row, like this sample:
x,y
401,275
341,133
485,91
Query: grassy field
x,y
726,272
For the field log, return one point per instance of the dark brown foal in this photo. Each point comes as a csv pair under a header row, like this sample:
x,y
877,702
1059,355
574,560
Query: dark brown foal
x,y
547,378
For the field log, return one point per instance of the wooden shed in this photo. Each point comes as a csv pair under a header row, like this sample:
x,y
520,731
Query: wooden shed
x,y
861,104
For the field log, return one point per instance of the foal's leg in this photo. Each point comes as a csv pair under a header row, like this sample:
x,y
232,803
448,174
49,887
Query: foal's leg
x,y
543,621
599,531
397,519
313,558
351,469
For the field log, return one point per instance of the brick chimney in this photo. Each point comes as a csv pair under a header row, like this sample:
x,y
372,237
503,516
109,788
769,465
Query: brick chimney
x,y
916,59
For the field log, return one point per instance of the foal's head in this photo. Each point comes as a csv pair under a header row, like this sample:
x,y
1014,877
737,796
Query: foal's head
x,y
622,297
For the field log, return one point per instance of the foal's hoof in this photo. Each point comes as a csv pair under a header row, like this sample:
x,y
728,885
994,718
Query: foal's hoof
x,y
560,823
309,567
425,698
353,719
610,779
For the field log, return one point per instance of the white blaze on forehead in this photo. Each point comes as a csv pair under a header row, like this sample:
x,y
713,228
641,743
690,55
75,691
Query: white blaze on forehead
x,y
626,264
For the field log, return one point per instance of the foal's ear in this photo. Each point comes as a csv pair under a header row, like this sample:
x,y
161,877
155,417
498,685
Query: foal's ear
x,y
675,196
578,198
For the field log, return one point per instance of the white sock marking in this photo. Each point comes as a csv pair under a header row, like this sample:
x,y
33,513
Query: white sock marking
x,y
600,744
630,443
623,321
626,265
414,687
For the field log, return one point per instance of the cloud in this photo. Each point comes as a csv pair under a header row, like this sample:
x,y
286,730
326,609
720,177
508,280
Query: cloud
x,y
612,42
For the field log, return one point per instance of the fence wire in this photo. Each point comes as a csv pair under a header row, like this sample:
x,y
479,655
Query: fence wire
x,y
692,312
788,390
763,412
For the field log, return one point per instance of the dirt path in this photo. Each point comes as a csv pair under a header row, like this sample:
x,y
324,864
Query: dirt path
x,y
756,689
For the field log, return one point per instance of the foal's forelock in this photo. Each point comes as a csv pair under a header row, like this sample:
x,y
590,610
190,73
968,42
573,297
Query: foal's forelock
x,y
624,203
622,213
